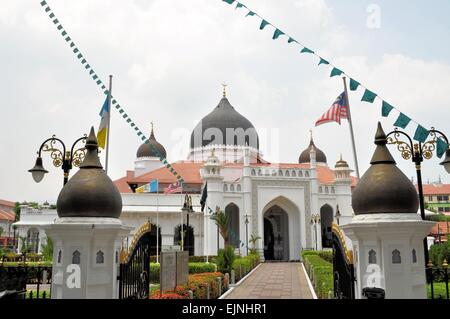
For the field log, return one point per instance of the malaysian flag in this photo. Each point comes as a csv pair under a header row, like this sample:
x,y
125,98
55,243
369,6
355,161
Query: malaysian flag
x,y
336,112
174,188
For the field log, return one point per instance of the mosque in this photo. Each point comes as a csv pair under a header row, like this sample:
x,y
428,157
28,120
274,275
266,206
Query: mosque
x,y
289,206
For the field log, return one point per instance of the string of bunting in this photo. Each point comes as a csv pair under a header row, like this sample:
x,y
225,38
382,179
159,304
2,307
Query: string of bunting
x,y
369,96
95,77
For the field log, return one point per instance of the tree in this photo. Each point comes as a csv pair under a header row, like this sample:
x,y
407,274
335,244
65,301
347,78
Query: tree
x,y
47,249
253,239
223,222
16,210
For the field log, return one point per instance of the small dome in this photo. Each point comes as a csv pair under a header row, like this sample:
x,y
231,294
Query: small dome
x,y
305,155
152,148
90,192
222,119
341,163
384,188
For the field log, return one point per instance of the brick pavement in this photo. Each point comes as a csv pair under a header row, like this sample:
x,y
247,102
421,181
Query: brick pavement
x,y
276,280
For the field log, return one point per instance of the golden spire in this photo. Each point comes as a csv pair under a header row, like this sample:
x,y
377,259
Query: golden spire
x,y
224,85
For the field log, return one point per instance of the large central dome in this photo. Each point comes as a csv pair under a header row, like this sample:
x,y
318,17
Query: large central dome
x,y
224,126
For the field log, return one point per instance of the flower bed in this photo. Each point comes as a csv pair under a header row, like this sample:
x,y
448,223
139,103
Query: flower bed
x,y
198,285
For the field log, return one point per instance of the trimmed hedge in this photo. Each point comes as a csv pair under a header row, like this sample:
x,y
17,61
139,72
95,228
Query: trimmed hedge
x,y
198,284
194,268
326,255
243,265
320,272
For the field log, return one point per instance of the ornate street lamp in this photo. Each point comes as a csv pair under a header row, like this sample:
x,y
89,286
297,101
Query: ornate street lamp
x,y
315,219
187,208
64,159
417,152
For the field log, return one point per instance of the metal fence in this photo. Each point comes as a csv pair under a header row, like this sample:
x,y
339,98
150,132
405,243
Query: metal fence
x,y
437,278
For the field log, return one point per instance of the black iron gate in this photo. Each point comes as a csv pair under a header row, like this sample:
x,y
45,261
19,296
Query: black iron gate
x,y
134,272
343,271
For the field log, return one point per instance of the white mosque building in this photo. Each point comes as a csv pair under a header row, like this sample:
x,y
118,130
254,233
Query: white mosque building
x,y
291,206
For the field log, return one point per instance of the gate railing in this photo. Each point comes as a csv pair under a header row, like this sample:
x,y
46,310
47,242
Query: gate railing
x,y
18,279
134,272
437,278
343,270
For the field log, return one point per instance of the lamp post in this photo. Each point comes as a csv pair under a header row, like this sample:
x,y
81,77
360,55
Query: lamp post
x,y
417,152
246,231
64,159
315,219
187,208
337,215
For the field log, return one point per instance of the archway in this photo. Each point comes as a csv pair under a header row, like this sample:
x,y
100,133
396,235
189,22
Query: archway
x,y
153,241
33,240
276,234
232,212
188,244
326,221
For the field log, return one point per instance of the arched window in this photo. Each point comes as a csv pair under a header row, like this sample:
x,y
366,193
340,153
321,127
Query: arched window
x,y
294,174
280,172
396,258
76,257
287,174
253,172
100,257
259,172
326,190
300,174
231,188
274,173
59,256
117,256
225,187
306,174
320,189
239,187
332,190
372,257
414,256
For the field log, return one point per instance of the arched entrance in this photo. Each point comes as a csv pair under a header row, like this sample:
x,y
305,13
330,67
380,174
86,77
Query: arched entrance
x,y
232,212
276,234
188,244
326,221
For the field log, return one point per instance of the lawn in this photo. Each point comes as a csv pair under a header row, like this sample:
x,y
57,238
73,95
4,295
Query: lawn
x,y
439,290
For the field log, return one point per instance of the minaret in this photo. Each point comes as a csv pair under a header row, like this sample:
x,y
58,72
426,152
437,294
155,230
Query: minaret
x,y
87,235
211,174
386,232
343,190
149,155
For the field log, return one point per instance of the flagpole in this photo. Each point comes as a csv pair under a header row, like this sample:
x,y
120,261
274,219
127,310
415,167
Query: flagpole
x,y
157,221
350,124
109,122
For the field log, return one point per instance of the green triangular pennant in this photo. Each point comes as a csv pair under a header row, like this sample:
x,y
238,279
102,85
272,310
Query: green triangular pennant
x,y
386,109
43,3
277,33
290,40
47,9
229,1
250,14
368,96
59,27
239,5
335,72
441,147
263,24
143,138
323,61
421,134
306,50
354,85
402,121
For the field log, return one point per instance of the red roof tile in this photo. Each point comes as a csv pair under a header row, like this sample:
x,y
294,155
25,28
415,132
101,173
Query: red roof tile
x,y
436,189
9,216
441,228
7,203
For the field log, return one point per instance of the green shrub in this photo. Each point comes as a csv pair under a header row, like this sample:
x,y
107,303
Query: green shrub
x,y
320,272
309,252
439,252
326,255
225,259
243,265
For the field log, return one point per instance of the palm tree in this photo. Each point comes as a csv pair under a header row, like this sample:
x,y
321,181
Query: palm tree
x,y
223,222
253,239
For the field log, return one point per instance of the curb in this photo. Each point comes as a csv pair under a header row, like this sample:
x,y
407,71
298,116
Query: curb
x,y
309,283
239,282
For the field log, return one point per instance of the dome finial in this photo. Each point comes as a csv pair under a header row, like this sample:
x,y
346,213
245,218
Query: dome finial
x,y
152,134
224,85
310,135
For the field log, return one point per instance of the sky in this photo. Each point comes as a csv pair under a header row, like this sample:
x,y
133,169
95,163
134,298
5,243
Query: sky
x,y
169,58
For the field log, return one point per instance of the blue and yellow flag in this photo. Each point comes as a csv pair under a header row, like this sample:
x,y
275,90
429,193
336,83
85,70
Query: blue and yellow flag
x,y
151,187
103,128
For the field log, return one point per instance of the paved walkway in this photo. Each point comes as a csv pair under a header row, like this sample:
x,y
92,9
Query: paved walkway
x,y
274,281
